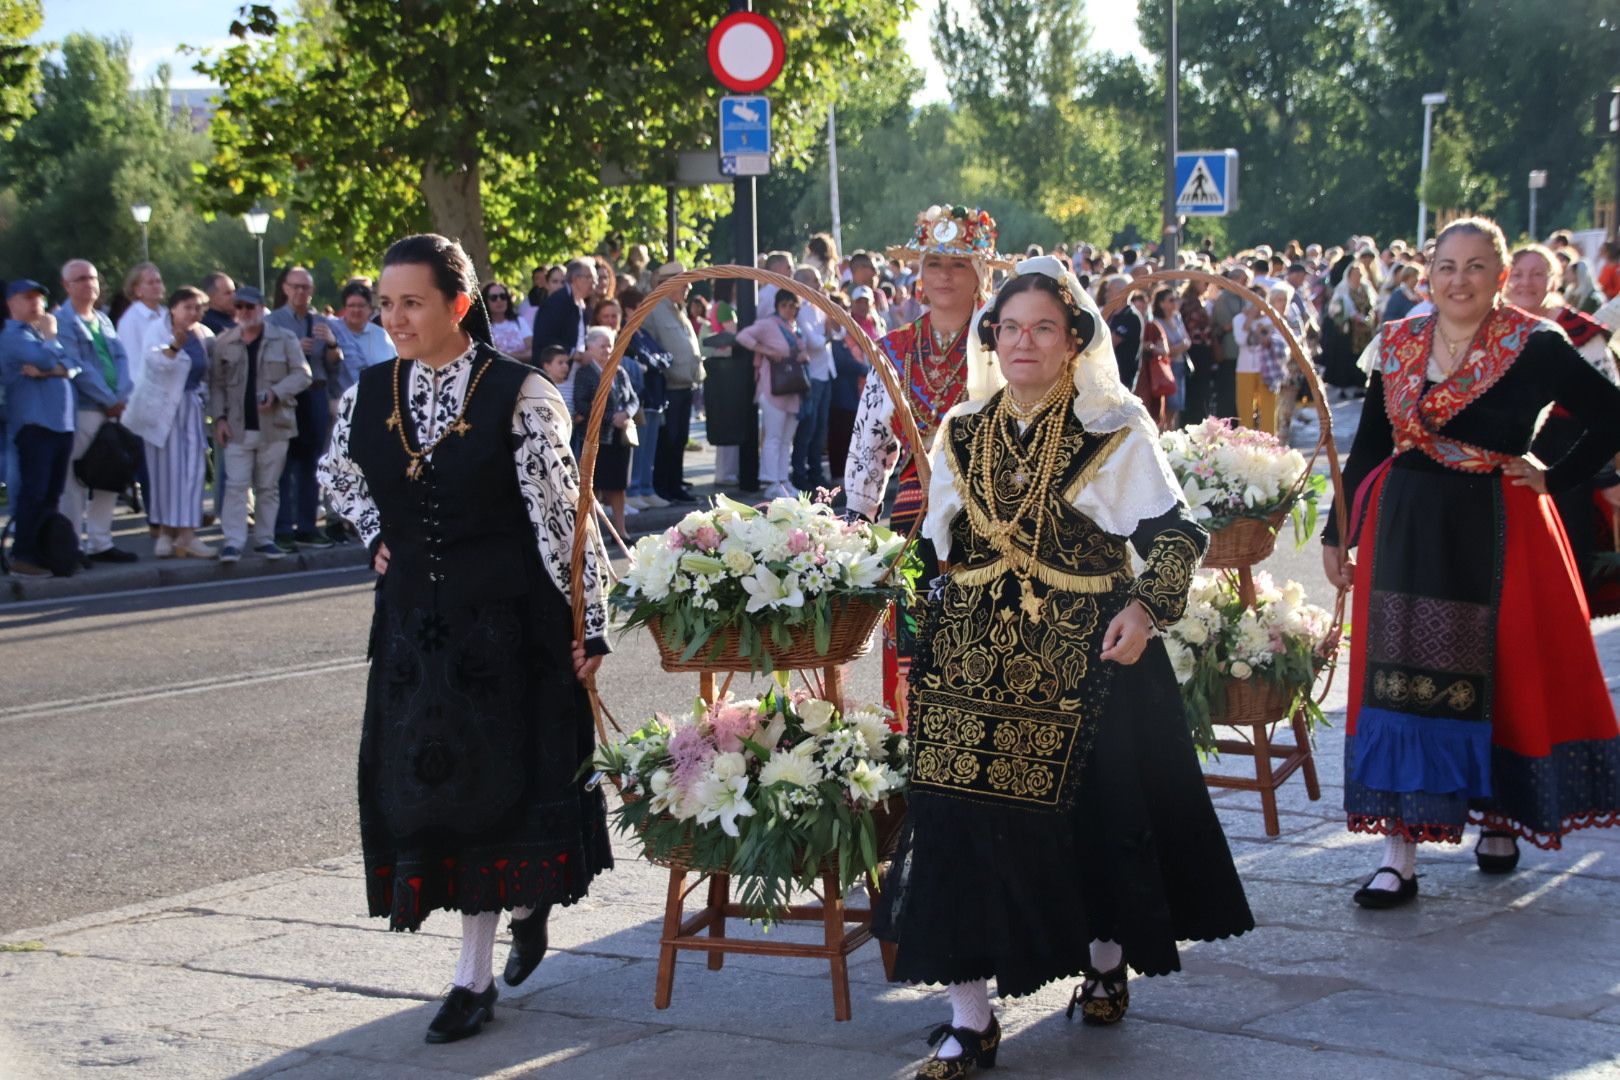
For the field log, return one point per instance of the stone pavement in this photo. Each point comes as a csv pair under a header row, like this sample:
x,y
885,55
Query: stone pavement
x,y
282,975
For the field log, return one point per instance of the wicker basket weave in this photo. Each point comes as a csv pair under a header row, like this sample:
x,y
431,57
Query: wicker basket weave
x,y
1255,701
1244,542
852,624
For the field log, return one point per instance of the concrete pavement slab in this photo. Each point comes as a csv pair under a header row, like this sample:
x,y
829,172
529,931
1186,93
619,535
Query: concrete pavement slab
x,y
1054,1049
389,1031
1505,1040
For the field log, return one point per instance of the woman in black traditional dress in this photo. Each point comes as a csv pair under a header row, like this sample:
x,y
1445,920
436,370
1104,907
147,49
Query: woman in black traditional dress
x,y
1058,823
453,463
1475,689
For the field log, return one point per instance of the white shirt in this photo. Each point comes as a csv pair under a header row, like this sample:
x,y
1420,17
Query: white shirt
x,y
138,328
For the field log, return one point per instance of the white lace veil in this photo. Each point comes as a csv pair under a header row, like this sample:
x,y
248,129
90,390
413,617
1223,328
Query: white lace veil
x,y
1101,402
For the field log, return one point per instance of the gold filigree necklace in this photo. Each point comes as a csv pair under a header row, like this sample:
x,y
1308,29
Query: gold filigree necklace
x,y
458,426
1033,476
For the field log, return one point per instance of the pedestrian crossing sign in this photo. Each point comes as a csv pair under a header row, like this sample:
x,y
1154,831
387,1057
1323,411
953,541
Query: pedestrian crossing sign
x,y
1206,182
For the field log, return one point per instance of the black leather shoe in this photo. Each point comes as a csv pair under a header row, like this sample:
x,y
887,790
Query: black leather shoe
x,y
528,946
1497,864
1111,1007
113,555
463,1014
1379,899
978,1050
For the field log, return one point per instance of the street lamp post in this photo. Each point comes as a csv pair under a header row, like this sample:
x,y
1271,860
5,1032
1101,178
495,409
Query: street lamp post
x,y
143,214
1429,102
1538,180
257,221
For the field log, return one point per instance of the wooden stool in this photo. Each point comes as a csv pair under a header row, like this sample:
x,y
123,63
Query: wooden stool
x,y
682,932
1268,778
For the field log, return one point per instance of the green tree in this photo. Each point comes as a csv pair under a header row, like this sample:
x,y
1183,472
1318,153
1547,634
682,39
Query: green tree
x,y
19,62
492,122
91,150
1008,64
1291,87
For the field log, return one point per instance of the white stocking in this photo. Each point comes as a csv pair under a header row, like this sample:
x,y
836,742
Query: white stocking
x,y
1400,853
970,1009
475,969
1105,957
1497,845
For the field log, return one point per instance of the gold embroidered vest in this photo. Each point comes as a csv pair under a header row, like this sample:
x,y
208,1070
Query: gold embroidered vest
x,y
1005,694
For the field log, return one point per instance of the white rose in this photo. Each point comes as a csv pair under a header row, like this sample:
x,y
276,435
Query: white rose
x,y
816,714
739,562
1240,670
1193,631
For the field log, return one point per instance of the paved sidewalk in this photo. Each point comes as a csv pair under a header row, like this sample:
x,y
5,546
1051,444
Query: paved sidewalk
x,y
282,975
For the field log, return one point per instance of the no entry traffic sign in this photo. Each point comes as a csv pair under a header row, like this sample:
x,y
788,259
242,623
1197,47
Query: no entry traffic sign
x,y
746,52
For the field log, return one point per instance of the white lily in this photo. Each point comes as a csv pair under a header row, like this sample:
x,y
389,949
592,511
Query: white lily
x,y
723,801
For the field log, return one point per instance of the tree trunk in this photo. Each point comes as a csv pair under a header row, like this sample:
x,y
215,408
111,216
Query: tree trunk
x,y
456,205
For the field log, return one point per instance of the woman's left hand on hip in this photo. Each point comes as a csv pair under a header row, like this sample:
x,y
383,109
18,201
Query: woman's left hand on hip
x,y
1526,473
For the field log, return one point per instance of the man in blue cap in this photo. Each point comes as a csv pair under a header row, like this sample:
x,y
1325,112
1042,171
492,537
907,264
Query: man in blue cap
x,y
37,374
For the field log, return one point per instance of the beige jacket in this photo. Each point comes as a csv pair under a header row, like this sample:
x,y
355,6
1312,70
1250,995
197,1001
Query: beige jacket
x,y
282,369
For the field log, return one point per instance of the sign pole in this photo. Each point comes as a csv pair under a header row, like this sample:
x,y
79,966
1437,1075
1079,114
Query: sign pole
x,y
832,180
745,252
1172,80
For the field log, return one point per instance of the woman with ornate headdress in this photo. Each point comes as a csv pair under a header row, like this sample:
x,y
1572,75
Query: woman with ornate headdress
x,y
453,463
940,364
1058,823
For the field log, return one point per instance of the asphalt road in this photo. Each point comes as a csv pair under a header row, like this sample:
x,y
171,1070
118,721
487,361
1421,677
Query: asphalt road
x,y
157,742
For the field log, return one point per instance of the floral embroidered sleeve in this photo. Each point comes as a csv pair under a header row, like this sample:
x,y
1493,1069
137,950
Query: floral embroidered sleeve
x,y
873,450
342,479
548,477
1171,545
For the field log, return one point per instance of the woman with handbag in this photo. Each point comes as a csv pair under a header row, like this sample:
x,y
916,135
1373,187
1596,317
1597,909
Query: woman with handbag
x,y
166,409
618,434
1162,382
781,377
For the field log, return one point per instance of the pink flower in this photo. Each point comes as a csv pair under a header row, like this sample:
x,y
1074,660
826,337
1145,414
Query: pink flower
x,y
707,538
676,541
798,542
731,724
690,753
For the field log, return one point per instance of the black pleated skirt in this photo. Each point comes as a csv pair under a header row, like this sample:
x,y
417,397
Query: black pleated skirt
x,y
475,729
983,892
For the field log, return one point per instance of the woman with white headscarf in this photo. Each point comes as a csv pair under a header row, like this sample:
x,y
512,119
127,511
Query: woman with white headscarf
x,y
1058,824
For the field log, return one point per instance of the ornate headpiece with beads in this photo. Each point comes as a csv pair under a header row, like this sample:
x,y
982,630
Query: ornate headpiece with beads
x,y
963,231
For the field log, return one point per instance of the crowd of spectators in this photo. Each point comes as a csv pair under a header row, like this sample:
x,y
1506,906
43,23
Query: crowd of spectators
x,y
220,380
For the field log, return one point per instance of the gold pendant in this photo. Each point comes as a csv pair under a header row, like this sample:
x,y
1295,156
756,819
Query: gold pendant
x,y
393,422
1030,603
460,427
414,472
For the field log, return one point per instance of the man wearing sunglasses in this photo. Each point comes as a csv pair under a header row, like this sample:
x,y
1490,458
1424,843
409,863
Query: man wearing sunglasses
x,y
255,374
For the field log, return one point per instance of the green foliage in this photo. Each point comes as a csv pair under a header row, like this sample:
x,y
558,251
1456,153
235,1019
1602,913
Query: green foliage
x,y
91,150
778,835
1323,101
492,122
19,62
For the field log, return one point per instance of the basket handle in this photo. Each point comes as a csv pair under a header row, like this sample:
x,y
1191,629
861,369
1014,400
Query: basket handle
x,y
668,289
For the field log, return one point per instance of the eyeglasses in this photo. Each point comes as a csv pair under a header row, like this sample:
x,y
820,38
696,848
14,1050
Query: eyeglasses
x,y
1044,334
499,296
245,307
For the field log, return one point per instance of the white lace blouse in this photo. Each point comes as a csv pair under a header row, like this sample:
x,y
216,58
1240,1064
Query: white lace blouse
x,y
547,474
